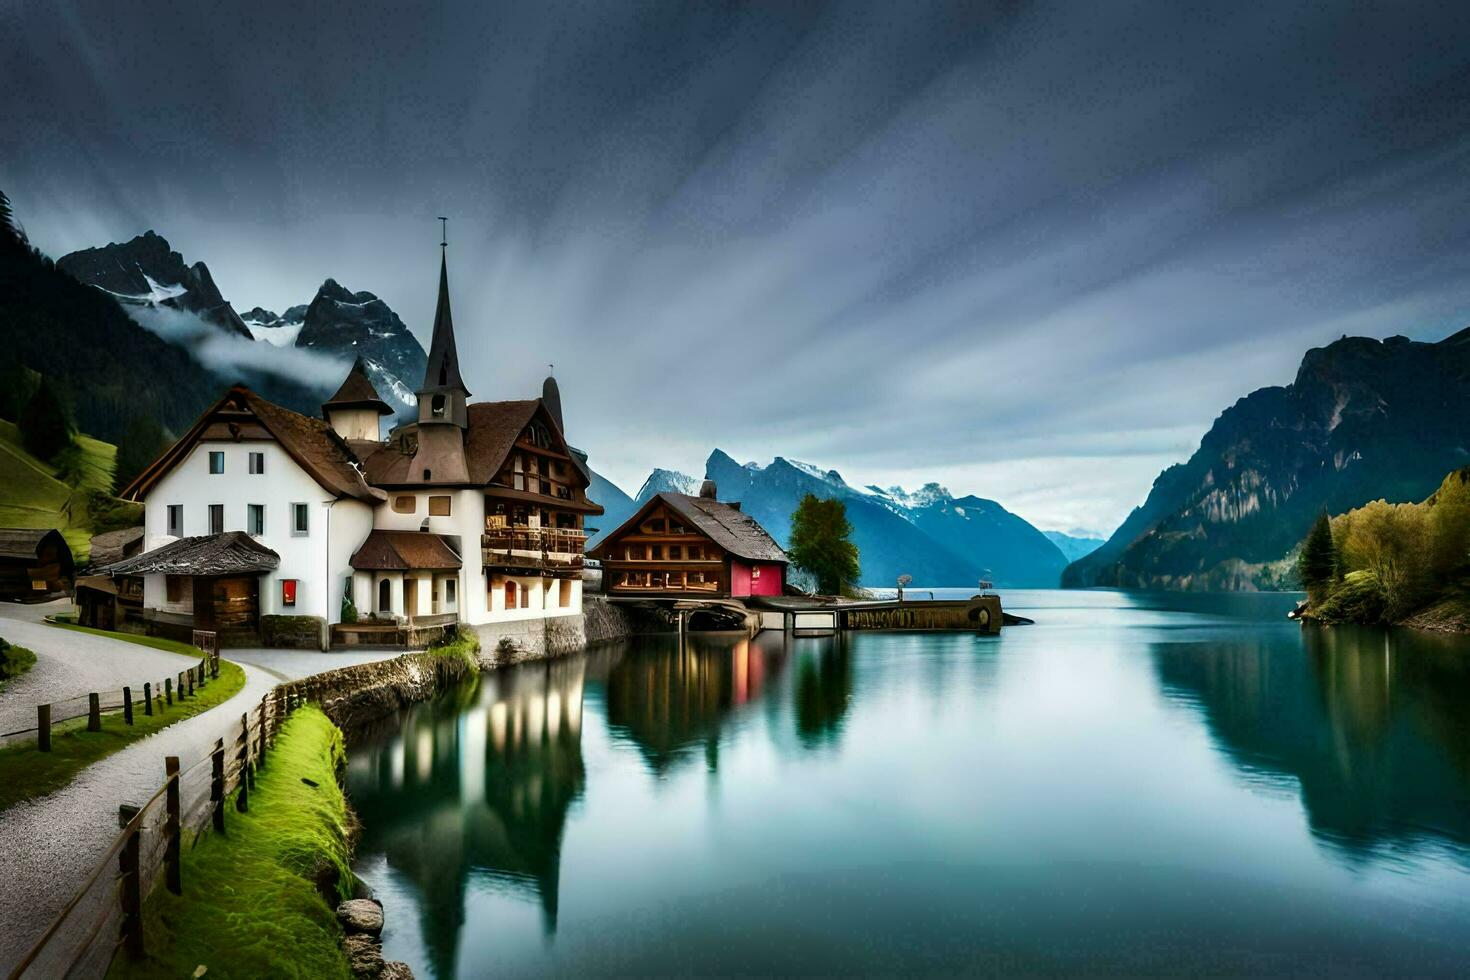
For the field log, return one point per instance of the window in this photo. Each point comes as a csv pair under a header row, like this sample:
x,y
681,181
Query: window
x,y
174,587
257,463
405,504
437,406
216,518
439,506
255,519
385,596
300,519
216,462
449,592
510,595
288,591
176,520
675,552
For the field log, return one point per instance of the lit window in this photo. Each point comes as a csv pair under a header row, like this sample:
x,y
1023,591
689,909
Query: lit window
x,y
176,520
300,519
216,518
255,519
288,591
438,506
257,463
216,462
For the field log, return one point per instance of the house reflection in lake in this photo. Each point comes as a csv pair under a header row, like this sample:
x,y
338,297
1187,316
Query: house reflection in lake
x,y
491,776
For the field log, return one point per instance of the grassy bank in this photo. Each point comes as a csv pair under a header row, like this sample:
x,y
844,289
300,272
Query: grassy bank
x,y
71,493
463,644
14,661
251,905
26,772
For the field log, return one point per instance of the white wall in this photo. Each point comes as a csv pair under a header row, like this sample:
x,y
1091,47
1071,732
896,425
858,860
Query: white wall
x,y
321,572
355,423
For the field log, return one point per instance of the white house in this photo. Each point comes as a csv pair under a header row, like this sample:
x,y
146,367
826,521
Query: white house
x,y
471,514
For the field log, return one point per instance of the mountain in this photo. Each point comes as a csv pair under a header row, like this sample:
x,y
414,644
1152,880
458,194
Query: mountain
x,y
1077,544
112,370
929,534
344,324
1363,420
145,272
667,481
617,506
279,331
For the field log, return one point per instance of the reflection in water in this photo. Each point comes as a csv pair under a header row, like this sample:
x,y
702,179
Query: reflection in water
x,y
671,700
475,786
823,690
1370,728
946,804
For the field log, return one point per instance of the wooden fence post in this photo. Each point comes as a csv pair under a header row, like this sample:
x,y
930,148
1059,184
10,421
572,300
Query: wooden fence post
x,y
217,785
127,705
174,873
260,738
214,665
43,727
132,894
94,712
168,689
242,797
190,674
147,697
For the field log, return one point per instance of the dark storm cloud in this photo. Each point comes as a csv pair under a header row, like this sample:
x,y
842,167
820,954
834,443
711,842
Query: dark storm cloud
x,y
1028,250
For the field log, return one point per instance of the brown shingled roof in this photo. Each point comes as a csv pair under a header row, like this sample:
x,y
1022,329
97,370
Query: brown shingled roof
x,y
24,542
230,553
310,442
493,428
724,524
357,391
404,551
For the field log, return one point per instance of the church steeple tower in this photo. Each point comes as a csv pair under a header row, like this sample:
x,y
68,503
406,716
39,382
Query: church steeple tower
x,y
443,396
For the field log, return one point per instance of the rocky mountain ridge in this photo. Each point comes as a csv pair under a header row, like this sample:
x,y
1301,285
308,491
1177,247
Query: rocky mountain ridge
x,y
1364,419
939,539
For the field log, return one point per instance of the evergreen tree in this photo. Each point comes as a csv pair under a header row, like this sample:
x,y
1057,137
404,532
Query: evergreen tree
x,y
143,441
1317,563
45,424
821,543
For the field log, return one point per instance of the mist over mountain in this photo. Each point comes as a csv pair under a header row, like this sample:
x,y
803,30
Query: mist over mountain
x,y
1363,420
1077,544
306,346
939,539
145,272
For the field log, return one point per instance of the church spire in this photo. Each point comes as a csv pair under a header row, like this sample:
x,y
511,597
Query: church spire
x,y
443,394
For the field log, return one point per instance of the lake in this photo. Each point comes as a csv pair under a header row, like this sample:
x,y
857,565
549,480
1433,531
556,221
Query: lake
x,y
1139,783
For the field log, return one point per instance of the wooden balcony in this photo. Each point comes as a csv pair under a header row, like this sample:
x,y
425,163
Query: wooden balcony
x,y
534,549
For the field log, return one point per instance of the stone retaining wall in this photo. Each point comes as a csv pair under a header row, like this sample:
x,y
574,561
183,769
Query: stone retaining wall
x,y
353,696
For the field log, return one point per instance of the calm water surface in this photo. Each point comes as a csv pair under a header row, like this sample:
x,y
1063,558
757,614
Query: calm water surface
x,y
1138,784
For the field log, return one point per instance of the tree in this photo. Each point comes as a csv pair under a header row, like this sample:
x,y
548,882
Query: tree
x,y
1317,563
143,441
45,424
821,543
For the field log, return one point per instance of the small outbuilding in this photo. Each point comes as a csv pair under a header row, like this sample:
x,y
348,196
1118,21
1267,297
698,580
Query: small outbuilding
x,y
35,564
211,582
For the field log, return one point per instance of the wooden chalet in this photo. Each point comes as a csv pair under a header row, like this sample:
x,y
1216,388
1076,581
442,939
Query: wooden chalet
x,y
104,602
678,546
35,563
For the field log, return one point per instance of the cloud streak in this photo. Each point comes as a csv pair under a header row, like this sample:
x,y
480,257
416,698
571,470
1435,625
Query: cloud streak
x,y
1027,250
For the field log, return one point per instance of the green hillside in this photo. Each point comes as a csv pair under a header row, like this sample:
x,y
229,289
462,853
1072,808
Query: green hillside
x,y
37,494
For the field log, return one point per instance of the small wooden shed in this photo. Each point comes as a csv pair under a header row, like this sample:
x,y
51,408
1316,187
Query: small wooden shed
x,y
35,563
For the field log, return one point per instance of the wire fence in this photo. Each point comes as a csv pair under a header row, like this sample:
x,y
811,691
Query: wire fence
x,y
105,915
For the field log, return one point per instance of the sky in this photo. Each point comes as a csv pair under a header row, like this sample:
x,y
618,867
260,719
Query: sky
x,y
1028,251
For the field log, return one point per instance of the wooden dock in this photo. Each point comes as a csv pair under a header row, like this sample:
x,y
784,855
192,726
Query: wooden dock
x,y
977,614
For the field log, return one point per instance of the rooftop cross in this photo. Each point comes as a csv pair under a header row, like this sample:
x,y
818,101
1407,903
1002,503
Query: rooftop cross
x,y
443,232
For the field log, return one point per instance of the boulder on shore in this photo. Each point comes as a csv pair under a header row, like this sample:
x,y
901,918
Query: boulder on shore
x,y
361,915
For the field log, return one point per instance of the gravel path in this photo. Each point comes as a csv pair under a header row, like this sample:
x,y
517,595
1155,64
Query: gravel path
x,y
48,846
291,665
69,663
